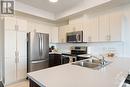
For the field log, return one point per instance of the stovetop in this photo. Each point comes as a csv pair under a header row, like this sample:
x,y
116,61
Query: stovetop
x,y
72,54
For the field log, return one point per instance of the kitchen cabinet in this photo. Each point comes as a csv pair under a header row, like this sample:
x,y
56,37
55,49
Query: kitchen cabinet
x,y
91,30
110,27
104,28
75,27
21,24
12,23
62,33
116,26
31,26
54,60
51,30
10,60
9,23
22,55
54,35
15,56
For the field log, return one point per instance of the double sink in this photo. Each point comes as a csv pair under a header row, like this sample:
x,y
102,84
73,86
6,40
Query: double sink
x,y
95,64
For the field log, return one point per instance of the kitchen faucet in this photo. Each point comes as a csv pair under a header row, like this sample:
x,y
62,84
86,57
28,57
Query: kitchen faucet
x,y
103,61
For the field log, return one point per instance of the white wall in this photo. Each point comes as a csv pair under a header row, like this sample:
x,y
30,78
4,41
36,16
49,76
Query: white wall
x,y
1,48
121,49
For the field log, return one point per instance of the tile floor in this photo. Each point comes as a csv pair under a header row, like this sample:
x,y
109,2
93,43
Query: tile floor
x,y
20,84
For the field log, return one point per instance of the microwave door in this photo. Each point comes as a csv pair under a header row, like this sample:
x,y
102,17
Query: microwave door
x,y
77,38
71,38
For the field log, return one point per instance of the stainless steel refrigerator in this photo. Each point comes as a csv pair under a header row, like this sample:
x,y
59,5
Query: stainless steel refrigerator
x,y
37,51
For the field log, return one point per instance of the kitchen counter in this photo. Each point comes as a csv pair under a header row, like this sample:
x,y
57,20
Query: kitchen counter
x,y
55,53
69,75
84,56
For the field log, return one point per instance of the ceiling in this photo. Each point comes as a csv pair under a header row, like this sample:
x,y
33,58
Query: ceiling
x,y
60,6
63,8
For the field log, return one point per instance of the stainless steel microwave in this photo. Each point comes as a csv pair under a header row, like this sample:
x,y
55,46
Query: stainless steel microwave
x,y
74,37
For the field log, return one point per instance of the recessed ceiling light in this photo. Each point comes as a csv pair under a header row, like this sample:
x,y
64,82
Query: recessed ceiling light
x,y
53,0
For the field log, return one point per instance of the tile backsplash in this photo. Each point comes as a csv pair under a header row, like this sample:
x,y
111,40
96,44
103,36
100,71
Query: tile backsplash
x,y
95,48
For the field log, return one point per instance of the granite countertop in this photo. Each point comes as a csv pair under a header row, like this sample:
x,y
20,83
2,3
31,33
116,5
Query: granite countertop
x,y
113,75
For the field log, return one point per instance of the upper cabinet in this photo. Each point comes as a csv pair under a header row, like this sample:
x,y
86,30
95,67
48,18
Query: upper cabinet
x,y
104,28
110,27
91,30
75,27
12,23
54,35
21,24
62,33
42,28
116,22
9,23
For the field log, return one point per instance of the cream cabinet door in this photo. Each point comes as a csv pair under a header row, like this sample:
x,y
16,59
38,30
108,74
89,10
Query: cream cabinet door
x,y
31,26
9,23
69,28
22,25
104,28
115,26
10,43
22,68
91,28
10,70
62,34
75,27
54,35
10,59
22,55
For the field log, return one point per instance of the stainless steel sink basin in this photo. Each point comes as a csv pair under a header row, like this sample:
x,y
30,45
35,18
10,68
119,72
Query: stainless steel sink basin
x,y
93,64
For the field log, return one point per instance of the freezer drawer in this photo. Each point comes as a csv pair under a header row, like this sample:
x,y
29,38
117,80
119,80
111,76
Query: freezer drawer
x,y
38,65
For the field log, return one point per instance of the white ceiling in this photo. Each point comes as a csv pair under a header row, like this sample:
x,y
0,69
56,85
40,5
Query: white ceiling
x,y
60,6
63,8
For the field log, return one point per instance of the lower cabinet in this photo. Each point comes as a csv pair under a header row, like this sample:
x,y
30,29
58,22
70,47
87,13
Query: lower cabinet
x,y
33,84
54,60
10,70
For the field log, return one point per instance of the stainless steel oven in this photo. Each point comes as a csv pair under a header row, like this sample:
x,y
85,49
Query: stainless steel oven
x,y
74,37
72,56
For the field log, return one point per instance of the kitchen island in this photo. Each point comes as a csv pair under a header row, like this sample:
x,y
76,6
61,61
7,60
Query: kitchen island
x,y
68,75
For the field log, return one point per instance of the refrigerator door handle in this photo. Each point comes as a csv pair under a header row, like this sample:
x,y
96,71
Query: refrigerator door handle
x,y
39,45
40,61
42,45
